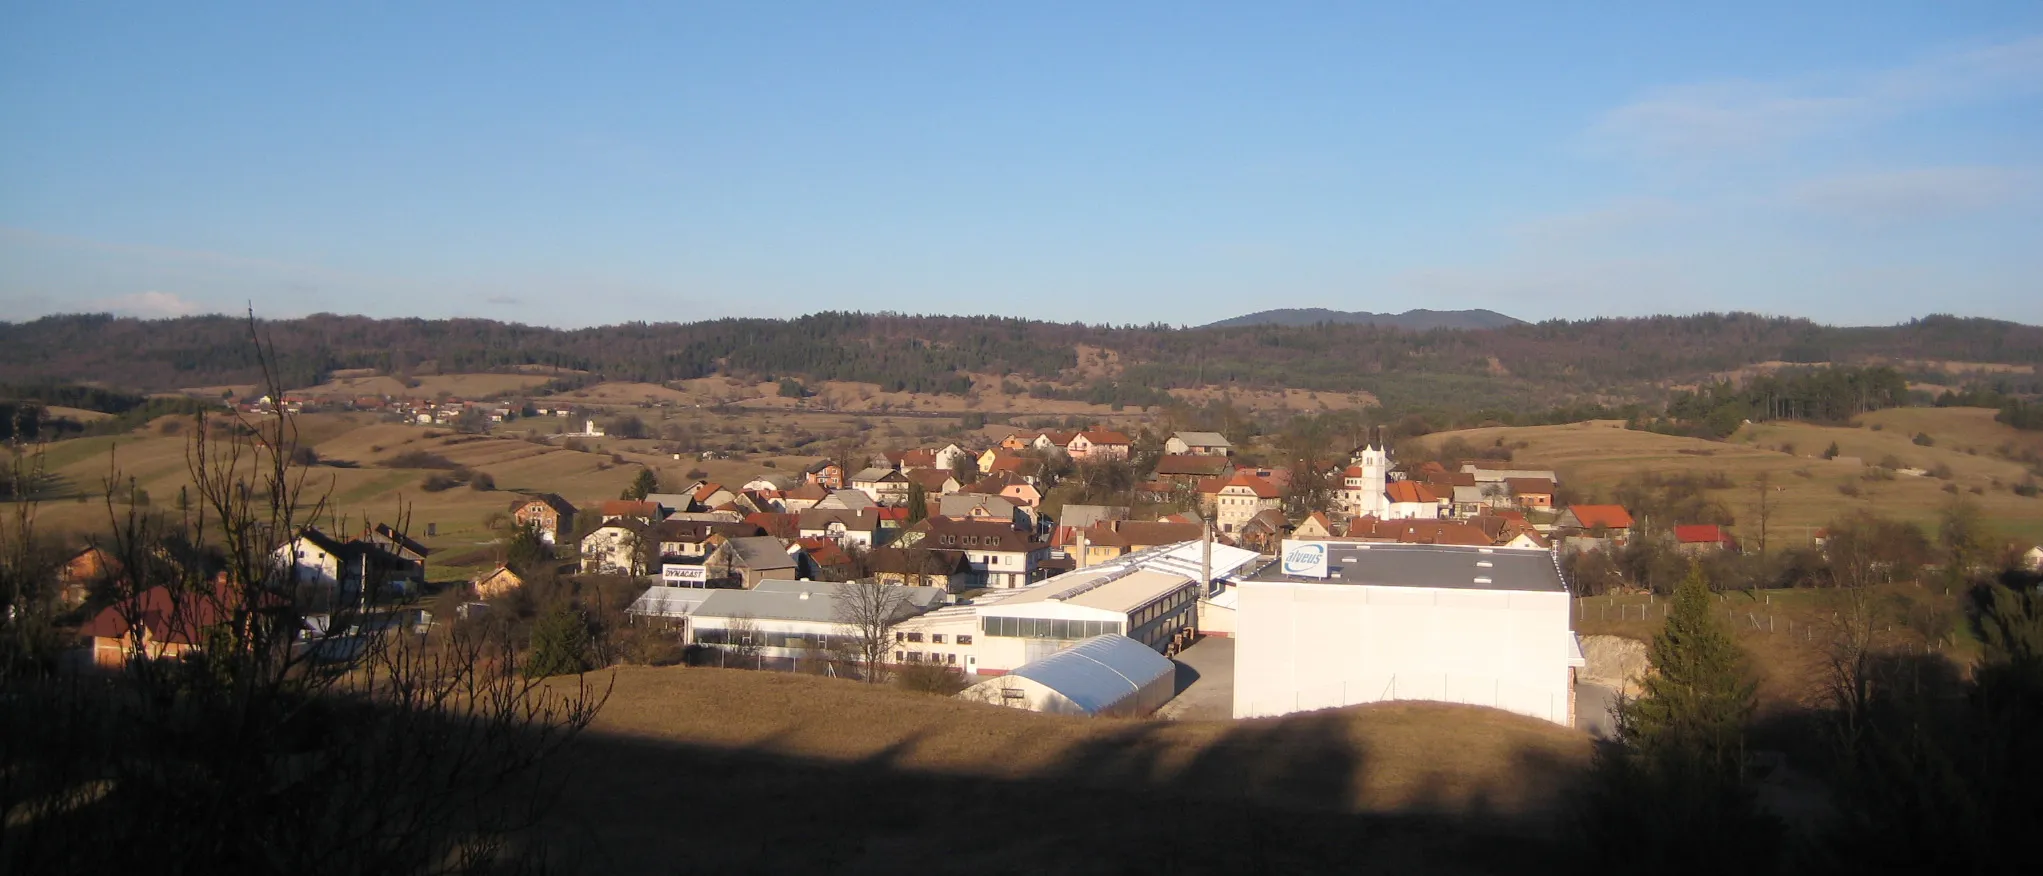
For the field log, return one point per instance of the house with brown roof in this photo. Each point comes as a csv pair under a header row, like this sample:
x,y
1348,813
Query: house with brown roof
x,y
1232,501
914,567
627,509
884,485
1419,532
1531,492
824,473
1315,525
497,582
159,624
1099,444
550,515
1610,521
747,561
1013,488
1001,556
803,498
934,481
1190,468
1107,540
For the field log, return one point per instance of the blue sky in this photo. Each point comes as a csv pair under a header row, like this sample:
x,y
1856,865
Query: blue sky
x,y
578,163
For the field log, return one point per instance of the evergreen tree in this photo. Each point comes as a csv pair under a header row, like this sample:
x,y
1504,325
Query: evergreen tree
x,y
560,644
1671,793
642,486
918,504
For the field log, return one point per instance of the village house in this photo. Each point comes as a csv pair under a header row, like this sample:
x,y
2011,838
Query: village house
x,y
804,497
1232,501
405,563
1188,469
1263,532
1013,488
1596,521
847,500
1411,500
849,529
1108,540
979,506
1418,532
613,548
500,581
86,569
934,481
1099,444
1315,525
998,554
1531,493
626,509
547,514
744,562
825,474
1696,539
158,624
916,567
884,485
1198,444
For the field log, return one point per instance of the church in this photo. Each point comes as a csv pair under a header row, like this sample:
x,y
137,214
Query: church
x,y
1367,490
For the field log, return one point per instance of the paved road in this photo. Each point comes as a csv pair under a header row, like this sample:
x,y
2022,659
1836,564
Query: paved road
x,y
1593,703
1205,682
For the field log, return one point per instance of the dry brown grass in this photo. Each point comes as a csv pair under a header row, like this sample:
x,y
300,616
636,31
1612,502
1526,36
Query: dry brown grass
x,y
1593,457
777,773
1786,632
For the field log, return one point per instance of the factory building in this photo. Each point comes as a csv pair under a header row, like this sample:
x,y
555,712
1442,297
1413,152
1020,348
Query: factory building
x,y
1340,623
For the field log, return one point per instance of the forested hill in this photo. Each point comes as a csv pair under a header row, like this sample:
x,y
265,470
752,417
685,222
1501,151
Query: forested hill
x,y
1516,367
1416,320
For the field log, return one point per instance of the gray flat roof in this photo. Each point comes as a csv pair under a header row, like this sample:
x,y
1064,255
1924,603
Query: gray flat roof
x,y
1454,567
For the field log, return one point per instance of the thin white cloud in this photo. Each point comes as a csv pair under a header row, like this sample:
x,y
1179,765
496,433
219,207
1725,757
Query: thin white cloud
x,y
1918,193
1733,117
147,305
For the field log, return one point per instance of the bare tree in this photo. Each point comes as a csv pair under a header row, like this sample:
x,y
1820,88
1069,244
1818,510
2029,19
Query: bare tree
x,y
869,611
1763,487
233,741
745,641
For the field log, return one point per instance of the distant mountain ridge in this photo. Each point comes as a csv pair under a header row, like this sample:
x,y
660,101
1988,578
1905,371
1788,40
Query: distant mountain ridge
x,y
1413,320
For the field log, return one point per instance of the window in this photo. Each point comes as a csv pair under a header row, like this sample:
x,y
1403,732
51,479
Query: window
x,y
914,637
915,656
900,637
936,638
964,639
951,659
899,656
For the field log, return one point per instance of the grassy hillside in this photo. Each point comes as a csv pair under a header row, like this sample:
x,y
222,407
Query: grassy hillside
x,y
758,773
1594,457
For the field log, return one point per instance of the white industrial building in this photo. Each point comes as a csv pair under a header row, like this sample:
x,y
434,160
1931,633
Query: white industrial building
x,y
1337,624
1149,595
786,619
1107,675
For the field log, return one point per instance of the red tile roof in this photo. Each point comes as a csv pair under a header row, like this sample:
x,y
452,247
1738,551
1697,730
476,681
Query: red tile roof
x,y
1105,437
1606,516
1243,478
1410,491
629,508
1532,486
1700,533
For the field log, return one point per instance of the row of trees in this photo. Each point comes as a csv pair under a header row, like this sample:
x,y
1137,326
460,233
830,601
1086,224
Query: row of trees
x,y
1520,369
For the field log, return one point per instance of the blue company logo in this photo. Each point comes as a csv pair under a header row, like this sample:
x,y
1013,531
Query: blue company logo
x,y
1306,559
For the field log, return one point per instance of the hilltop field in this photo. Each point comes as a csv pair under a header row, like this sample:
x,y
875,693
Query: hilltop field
x,y
1965,444
775,773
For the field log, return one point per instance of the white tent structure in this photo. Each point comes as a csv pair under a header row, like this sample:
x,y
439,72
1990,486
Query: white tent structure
x,y
1107,675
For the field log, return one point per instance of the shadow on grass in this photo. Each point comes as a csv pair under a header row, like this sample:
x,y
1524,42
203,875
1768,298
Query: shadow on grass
x,y
1269,797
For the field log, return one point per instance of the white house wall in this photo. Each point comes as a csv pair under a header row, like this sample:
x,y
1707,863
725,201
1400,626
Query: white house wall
x,y
1315,646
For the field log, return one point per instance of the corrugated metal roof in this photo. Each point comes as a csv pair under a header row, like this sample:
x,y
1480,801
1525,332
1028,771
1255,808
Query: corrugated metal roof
x,y
1099,672
776,599
661,601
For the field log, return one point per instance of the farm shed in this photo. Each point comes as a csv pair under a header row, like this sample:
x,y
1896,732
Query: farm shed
x,y
1108,675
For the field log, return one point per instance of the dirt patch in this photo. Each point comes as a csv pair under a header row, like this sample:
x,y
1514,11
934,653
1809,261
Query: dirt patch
x,y
1615,662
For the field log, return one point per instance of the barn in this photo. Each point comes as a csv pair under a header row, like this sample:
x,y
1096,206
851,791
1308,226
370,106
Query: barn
x,y
1110,675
